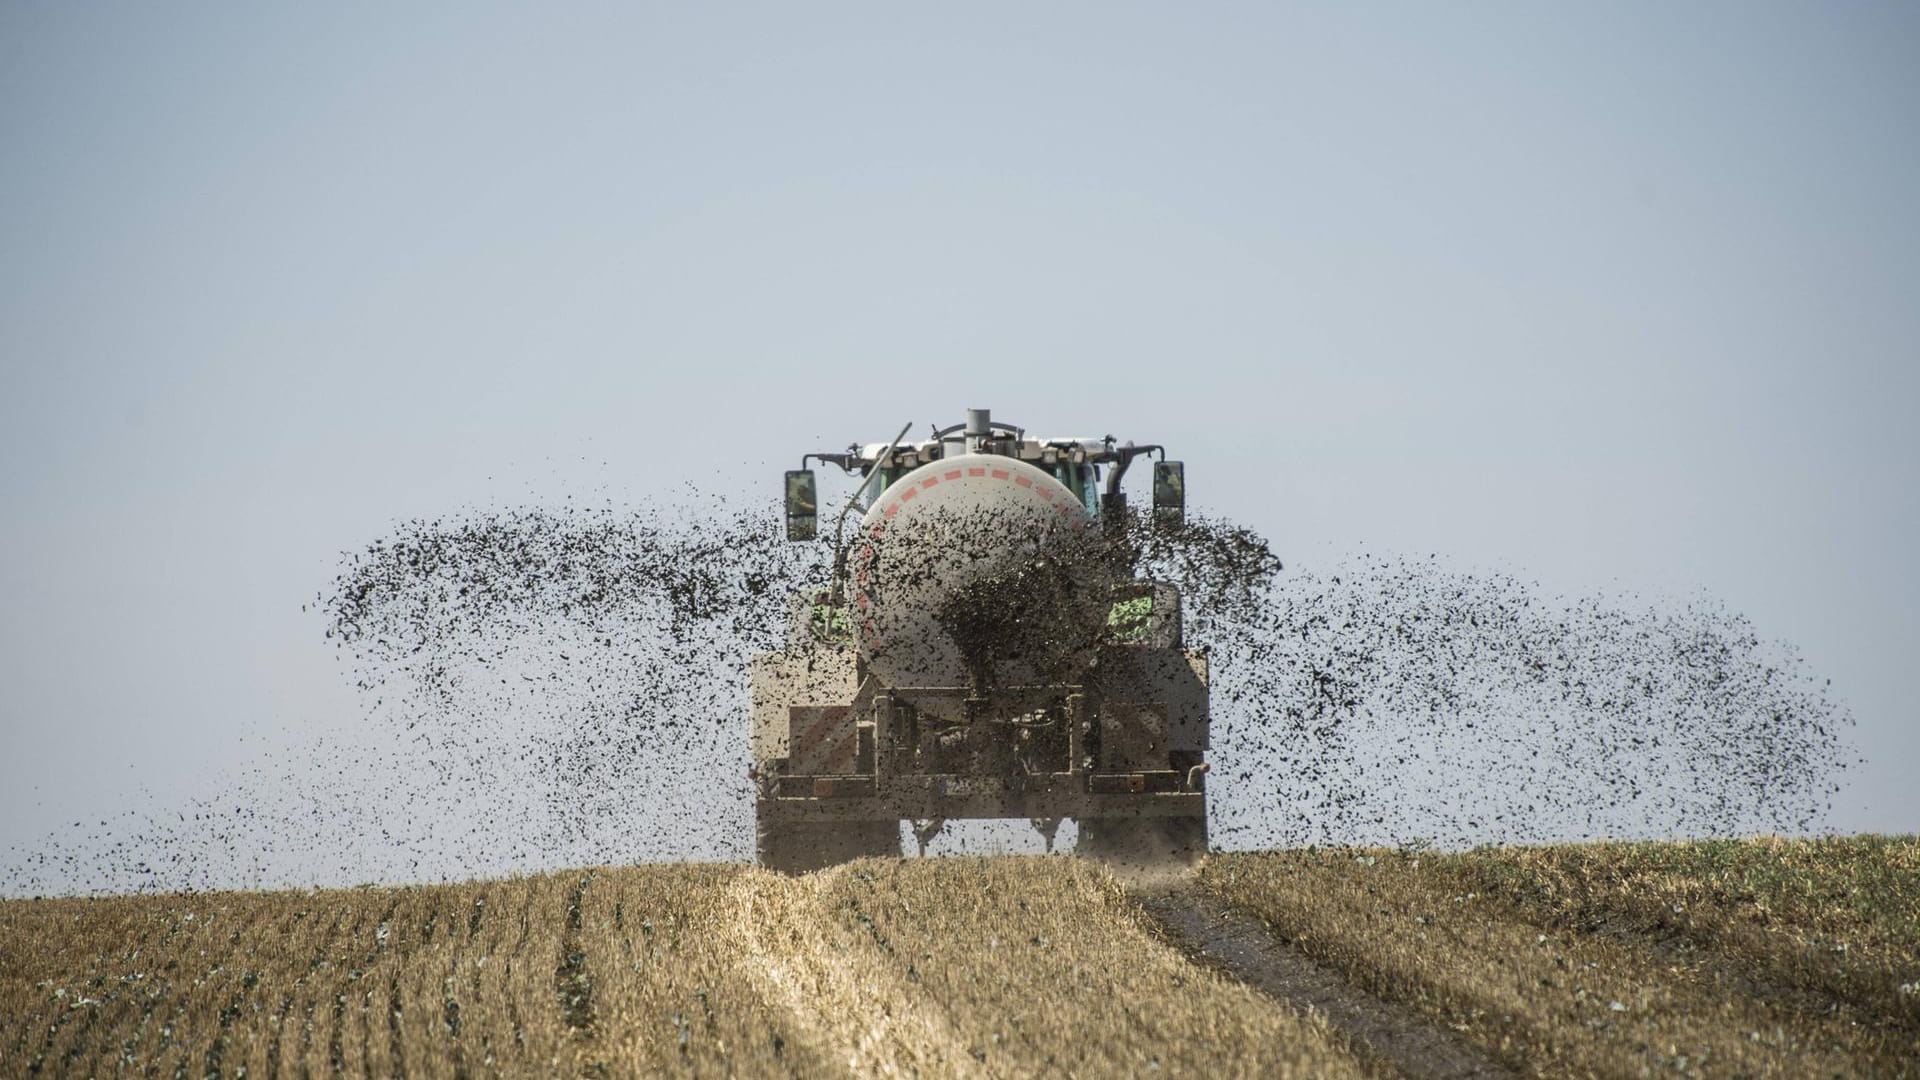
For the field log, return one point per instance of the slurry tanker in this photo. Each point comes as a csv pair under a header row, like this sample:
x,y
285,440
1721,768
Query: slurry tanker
x,y
983,650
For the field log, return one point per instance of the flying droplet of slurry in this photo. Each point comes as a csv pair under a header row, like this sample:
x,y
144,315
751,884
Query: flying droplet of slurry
x,y
555,686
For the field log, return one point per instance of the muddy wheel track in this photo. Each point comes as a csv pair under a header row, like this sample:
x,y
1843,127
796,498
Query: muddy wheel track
x,y
1216,936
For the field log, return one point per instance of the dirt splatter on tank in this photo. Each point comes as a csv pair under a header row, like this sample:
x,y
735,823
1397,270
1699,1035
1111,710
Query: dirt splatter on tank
x,y
977,569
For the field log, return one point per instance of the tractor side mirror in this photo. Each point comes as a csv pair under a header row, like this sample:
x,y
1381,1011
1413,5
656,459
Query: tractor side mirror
x,y
803,505
1170,491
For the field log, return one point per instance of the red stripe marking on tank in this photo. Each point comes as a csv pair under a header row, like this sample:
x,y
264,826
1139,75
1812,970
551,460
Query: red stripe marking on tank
x,y
976,472
1023,481
860,599
1045,495
892,509
954,475
908,494
999,474
929,481
877,529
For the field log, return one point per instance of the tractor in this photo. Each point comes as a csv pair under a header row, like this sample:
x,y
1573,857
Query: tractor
x,y
983,649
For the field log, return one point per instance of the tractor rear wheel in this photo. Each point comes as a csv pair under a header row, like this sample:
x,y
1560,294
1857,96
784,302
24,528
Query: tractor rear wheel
x,y
794,847
1144,841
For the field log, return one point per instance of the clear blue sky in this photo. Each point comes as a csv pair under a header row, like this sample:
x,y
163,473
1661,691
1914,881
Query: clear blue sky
x,y
1613,296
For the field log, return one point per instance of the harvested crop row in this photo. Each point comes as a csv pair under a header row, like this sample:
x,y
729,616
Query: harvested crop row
x,y
660,984
1522,981
1044,966
1834,923
934,968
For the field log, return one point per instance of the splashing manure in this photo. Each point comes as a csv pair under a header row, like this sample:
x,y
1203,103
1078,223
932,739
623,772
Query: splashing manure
x,y
564,686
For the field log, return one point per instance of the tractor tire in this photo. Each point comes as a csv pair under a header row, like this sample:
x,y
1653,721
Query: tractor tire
x,y
801,847
1144,841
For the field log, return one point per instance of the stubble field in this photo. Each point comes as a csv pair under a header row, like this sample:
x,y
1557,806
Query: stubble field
x,y
1724,958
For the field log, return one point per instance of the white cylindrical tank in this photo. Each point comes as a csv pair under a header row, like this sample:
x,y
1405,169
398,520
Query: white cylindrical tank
x,y
977,566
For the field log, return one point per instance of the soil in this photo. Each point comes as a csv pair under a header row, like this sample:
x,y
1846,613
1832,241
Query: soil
x,y
1240,946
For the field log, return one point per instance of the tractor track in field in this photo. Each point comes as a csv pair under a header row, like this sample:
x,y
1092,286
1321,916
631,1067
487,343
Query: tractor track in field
x,y
1216,936
877,1025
